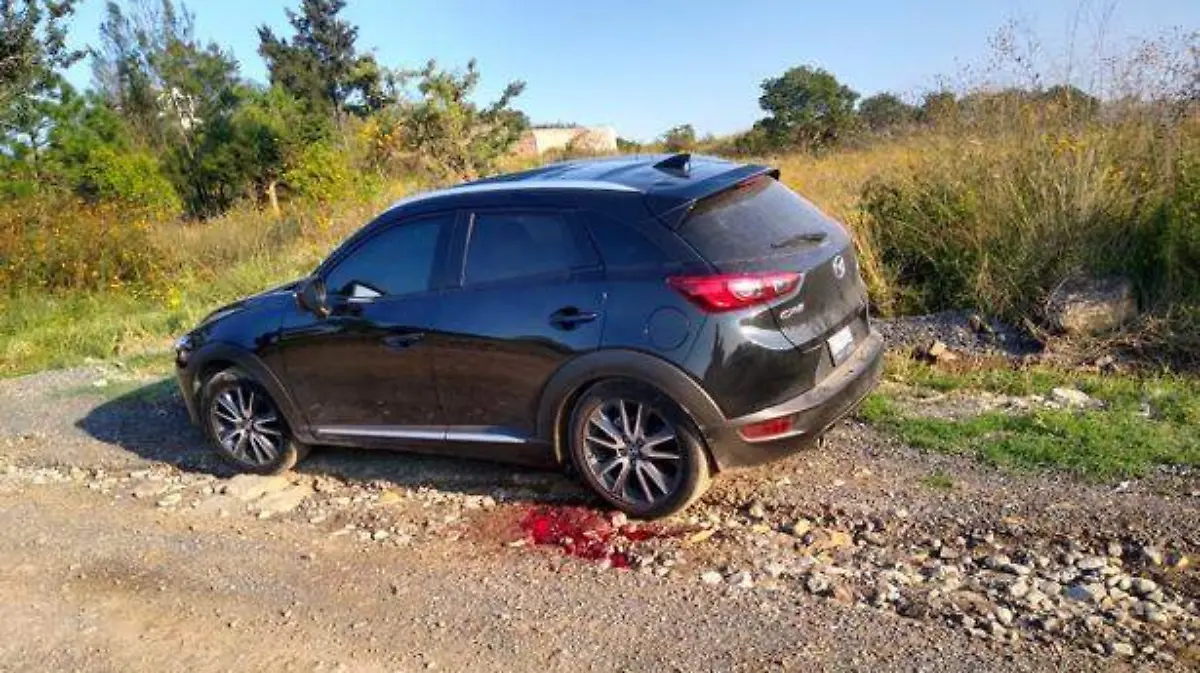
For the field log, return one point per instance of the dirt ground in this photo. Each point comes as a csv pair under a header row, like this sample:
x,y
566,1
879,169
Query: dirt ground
x,y
126,546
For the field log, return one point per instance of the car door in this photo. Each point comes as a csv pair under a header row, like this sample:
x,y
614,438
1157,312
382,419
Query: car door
x,y
365,370
531,297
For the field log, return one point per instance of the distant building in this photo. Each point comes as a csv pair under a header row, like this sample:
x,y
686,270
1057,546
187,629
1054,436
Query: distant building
x,y
537,141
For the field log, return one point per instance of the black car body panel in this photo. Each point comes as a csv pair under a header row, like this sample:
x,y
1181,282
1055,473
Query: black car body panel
x,y
477,360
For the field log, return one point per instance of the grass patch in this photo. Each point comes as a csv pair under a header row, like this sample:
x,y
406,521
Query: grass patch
x,y
1148,421
938,480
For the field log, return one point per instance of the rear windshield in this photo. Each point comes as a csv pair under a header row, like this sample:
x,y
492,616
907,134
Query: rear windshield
x,y
759,218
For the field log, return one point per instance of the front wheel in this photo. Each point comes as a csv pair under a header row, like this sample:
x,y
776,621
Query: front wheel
x,y
246,426
637,449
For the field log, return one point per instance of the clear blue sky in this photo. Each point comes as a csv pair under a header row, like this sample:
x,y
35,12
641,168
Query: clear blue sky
x,y
645,65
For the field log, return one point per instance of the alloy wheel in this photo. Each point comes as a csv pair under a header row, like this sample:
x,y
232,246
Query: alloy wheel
x,y
633,452
247,425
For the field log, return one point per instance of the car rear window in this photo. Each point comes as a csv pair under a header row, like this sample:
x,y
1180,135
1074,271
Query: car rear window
x,y
759,218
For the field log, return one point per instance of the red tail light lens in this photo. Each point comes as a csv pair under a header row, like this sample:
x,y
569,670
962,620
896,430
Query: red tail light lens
x,y
728,292
775,427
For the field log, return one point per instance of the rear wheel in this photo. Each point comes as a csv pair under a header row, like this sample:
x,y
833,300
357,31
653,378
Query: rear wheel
x,y
246,426
637,449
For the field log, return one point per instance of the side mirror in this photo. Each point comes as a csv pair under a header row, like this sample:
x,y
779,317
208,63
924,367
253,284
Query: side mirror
x,y
311,297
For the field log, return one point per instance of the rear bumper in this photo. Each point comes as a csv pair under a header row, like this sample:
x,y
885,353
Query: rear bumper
x,y
813,411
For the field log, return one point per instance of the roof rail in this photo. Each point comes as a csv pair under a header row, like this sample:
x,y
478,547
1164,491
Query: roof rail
x,y
676,164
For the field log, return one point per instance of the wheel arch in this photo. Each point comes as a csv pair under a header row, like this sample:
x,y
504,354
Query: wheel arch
x,y
218,356
573,378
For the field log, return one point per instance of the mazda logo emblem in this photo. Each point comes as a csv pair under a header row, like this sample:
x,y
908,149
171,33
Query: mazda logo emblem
x,y
839,267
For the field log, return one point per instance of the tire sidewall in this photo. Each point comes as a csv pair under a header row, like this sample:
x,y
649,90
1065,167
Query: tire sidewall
x,y
289,453
694,478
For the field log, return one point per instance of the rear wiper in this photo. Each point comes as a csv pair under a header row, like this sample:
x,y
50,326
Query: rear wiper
x,y
807,237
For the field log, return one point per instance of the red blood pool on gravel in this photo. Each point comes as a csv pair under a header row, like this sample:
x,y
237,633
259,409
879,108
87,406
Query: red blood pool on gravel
x,y
584,533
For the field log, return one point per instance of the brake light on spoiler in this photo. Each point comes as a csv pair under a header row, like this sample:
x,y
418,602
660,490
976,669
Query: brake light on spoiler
x,y
729,292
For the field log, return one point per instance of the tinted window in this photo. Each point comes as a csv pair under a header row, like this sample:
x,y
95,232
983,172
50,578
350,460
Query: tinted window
x,y
397,261
623,246
511,245
761,218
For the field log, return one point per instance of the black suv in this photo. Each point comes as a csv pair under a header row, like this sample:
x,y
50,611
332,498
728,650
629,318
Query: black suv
x,y
644,321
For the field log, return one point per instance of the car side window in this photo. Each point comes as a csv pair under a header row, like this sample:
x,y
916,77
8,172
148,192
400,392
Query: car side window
x,y
506,245
622,246
399,260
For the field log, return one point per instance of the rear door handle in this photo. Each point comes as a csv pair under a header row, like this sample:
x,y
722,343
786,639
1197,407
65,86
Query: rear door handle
x,y
399,342
570,317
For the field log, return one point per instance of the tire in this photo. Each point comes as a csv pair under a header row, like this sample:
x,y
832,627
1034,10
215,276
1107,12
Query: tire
x,y
265,444
662,475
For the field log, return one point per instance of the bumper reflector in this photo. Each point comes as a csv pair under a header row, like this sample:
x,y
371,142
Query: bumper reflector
x,y
757,432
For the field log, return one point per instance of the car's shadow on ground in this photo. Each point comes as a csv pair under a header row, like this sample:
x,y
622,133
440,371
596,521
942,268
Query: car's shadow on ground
x,y
151,422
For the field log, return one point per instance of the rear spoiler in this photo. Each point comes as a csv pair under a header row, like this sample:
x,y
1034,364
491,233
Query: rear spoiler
x,y
672,205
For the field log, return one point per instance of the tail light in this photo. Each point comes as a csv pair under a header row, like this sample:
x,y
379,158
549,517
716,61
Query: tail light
x,y
728,292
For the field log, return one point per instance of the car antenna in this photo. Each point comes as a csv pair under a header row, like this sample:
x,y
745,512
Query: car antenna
x,y
677,164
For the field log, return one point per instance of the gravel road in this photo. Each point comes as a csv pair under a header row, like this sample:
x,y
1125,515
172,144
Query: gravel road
x,y
127,546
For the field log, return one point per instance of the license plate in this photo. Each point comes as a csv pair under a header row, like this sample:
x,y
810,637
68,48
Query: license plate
x,y
840,343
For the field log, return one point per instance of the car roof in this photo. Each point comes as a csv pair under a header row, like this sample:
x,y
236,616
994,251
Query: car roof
x,y
669,183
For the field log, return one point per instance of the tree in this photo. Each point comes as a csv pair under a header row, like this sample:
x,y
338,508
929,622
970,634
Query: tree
x,y
807,107
320,64
885,111
679,138
1073,100
454,137
938,106
272,132
179,96
33,53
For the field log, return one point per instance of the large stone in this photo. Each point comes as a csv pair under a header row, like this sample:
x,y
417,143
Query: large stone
x,y
247,487
284,501
1084,305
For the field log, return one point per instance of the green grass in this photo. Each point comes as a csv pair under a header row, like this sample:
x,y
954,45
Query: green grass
x,y
1119,441
45,331
938,480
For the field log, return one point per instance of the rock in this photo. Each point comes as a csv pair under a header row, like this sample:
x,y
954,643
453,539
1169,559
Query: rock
x,y
1004,616
1019,589
1083,305
1086,593
617,519
775,570
843,594
149,489
757,511
170,499
1142,586
247,487
218,505
799,527
1088,563
283,501
742,579
1119,649
380,535
711,577
935,351
1073,397
1152,556
389,497
818,583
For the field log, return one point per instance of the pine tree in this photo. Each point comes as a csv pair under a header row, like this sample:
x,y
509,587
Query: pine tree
x,y
320,64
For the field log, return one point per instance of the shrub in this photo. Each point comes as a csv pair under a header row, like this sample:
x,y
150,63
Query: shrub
x,y
994,222
55,242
